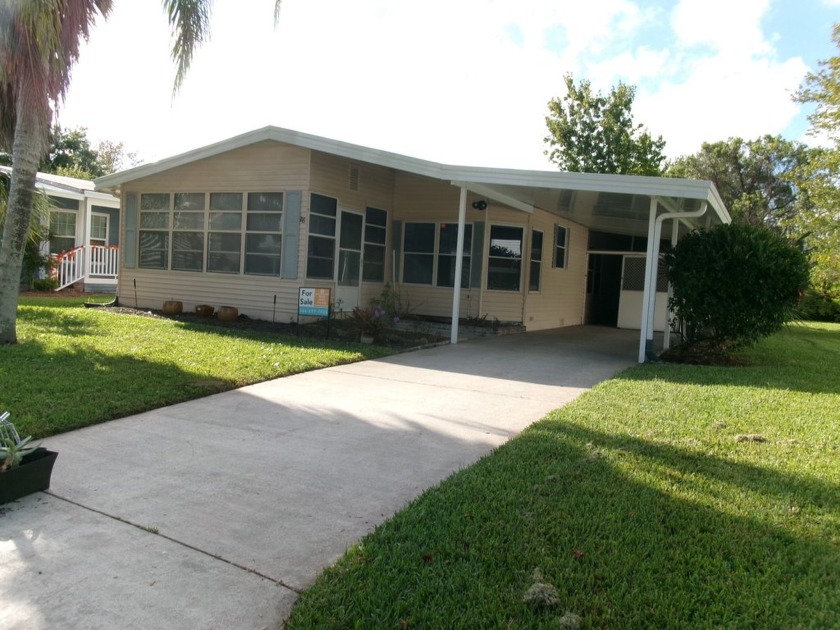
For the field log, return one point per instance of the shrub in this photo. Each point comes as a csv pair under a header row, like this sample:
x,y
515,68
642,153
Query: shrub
x,y
734,284
819,307
45,284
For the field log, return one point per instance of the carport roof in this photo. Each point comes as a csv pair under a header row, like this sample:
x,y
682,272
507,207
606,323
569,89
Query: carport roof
x,y
611,203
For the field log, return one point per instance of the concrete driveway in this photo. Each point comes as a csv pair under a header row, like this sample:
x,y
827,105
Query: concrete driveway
x,y
218,512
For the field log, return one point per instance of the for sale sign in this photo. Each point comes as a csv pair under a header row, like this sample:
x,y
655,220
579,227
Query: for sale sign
x,y
314,302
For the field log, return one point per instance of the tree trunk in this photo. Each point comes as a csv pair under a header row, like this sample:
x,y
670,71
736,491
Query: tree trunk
x,y
26,151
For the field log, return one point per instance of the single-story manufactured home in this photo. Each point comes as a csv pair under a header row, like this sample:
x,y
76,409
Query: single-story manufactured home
x,y
251,220
84,230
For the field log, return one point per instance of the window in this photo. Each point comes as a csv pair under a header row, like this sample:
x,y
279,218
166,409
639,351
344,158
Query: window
x,y
263,234
561,246
320,256
224,239
188,232
419,253
373,265
154,231
447,252
62,231
504,263
99,229
536,261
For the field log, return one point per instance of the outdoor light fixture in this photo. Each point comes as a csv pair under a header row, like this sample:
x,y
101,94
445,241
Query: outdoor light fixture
x,y
480,204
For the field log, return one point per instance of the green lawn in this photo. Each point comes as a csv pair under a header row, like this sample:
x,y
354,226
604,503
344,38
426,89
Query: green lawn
x,y
638,506
75,366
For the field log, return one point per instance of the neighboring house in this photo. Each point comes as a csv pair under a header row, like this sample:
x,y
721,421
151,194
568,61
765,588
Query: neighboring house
x,y
84,231
248,221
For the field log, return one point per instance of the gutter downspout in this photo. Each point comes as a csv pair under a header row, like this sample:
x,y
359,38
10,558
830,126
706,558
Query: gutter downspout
x,y
459,264
651,266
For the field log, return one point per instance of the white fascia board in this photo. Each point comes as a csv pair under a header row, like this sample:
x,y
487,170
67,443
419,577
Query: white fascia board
x,y
472,176
278,134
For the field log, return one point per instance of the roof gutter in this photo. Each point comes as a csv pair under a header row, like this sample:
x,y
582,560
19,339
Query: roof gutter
x,y
651,265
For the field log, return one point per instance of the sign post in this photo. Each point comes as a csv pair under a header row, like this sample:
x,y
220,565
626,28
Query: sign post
x,y
314,302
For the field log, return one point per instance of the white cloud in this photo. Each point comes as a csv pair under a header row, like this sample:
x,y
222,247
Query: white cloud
x,y
439,80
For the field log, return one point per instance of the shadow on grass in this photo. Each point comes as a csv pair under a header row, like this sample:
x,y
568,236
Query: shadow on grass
x,y
785,361
632,534
102,386
59,319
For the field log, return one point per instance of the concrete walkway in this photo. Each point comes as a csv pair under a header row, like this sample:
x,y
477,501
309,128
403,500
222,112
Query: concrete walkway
x,y
216,513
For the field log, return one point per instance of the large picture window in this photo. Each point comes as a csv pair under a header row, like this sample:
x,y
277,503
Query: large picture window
x,y
373,265
224,238
320,255
419,253
154,230
211,231
504,263
263,237
188,232
447,255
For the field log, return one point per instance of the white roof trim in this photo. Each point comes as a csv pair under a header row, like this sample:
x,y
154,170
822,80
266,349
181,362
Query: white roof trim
x,y
464,175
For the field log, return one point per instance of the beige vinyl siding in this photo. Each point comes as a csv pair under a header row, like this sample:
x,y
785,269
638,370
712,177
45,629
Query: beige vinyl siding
x,y
263,167
330,175
560,300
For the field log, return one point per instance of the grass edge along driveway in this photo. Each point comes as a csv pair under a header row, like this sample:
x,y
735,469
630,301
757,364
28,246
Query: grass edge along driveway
x,y
669,497
74,367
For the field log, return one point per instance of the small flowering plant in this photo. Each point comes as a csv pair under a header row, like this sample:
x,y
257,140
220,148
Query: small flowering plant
x,y
370,321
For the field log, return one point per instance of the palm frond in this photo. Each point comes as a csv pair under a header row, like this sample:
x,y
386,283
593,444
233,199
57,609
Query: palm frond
x,y
190,23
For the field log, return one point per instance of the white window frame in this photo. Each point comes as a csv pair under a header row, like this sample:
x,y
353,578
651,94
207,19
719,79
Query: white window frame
x,y
92,238
558,247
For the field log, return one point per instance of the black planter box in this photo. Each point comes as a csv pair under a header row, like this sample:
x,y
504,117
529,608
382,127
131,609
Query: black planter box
x,y
32,475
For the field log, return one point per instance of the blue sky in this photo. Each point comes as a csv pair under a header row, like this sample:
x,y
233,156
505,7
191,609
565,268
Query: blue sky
x,y
463,82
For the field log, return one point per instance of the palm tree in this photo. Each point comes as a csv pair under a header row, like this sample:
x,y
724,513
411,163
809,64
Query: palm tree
x,y
39,44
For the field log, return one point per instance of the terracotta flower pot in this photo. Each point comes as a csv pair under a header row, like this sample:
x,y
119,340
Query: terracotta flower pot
x,y
228,313
173,307
205,310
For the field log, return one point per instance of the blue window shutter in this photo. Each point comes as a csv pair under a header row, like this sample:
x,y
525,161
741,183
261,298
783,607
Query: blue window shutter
x,y
477,254
291,234
129,245
396,249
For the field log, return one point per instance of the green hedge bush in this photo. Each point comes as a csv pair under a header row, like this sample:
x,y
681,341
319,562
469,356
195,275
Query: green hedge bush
x,y
734,284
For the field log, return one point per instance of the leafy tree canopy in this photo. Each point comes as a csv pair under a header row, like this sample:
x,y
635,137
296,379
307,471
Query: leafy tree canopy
x,y
593,133
758,180
822,225
70,153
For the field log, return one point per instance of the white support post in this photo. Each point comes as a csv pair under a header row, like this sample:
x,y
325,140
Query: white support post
x,y
649,295
88,206
649,299
459,263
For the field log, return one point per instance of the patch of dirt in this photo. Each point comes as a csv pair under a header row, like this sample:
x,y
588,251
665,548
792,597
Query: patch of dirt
x,y
339,330
702,353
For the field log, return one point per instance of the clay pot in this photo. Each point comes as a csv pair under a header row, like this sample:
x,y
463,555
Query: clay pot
x,y
204,310
173,307
228,313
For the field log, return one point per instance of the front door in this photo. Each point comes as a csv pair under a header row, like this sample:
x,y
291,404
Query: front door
x,y
349,271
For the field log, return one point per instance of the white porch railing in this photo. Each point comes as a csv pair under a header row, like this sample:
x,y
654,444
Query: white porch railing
x,y
96,262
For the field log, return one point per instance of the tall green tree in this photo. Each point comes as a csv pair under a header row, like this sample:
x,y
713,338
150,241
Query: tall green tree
x,y
591,132
71,153
760,181
822,223
39,44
